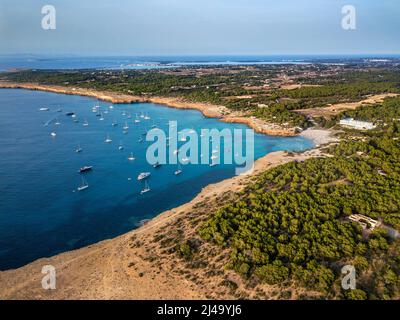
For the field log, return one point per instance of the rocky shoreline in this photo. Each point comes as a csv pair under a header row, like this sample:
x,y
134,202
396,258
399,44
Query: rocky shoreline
x,y
208,110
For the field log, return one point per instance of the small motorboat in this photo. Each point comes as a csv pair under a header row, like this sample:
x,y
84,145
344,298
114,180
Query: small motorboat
x,y
85,169
157,165
179,170
143,175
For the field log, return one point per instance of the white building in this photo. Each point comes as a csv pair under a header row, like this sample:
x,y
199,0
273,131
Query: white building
x,y
364,221
357,124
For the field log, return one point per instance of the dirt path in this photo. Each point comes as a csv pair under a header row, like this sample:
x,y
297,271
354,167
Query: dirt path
x,y
335,109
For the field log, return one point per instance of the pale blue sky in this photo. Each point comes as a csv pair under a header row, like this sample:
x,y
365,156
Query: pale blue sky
x,y
184,27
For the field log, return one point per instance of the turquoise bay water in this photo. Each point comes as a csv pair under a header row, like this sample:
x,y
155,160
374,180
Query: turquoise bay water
x,y
40,215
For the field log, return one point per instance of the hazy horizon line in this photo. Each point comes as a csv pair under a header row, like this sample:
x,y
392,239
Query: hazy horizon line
x,y
204,55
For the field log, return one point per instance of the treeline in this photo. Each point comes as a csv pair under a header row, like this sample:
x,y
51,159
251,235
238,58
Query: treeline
x,y
290,226
386,112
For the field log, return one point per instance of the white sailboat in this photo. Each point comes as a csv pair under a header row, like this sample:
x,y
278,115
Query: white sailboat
x,y
137,120
57,123
53,134
101,117
78,149
126,127
129,116
108,139
121,146
131,157
178,170
84,185
146,187
212,164
85,123
146,117
114,123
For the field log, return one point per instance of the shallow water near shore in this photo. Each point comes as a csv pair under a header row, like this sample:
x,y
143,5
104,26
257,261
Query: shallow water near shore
x,y
42,214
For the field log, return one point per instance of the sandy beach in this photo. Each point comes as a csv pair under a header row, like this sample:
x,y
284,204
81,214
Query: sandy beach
x,y
319,136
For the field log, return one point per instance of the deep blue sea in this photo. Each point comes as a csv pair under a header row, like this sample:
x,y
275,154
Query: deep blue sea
x,y
41,215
